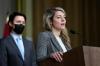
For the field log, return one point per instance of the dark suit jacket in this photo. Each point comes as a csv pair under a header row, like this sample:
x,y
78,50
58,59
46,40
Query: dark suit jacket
x,y
10,54
47,44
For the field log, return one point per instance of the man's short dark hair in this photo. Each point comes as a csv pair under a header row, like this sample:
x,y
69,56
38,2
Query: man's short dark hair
x,y
14,14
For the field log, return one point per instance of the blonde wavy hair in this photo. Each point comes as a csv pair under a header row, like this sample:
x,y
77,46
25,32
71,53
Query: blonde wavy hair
x,y
48,18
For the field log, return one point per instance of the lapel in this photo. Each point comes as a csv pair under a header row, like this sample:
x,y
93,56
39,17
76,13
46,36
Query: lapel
x,y
66,45
25,49
15,48
55,42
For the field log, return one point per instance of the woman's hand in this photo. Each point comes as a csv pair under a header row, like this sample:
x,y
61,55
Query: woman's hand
x,y
57,56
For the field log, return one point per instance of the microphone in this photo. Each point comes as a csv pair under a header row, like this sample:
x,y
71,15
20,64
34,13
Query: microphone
x,y
73,31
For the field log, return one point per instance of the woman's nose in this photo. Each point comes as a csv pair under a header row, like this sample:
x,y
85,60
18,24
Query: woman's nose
x,y
63,19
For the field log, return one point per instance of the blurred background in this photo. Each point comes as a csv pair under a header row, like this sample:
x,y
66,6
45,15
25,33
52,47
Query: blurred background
x,y
83,16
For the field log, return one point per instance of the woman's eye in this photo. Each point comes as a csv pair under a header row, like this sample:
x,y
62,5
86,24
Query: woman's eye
x,y
58,17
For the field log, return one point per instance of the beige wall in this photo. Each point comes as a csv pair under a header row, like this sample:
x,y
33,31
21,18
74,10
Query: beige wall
x,y
91,55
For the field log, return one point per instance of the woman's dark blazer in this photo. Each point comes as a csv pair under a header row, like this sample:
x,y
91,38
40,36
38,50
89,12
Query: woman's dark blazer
x,y
47,44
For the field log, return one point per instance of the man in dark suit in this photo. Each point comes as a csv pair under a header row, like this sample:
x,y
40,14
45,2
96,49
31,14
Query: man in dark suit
x,y
15,50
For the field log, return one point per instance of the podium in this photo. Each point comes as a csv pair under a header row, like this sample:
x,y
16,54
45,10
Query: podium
x,y
80,56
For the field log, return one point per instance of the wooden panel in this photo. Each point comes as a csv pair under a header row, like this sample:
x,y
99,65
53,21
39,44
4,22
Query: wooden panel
x,y
74,57
80,56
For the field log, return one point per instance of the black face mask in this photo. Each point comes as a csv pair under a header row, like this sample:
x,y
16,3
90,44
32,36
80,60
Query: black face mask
x,y
18,28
